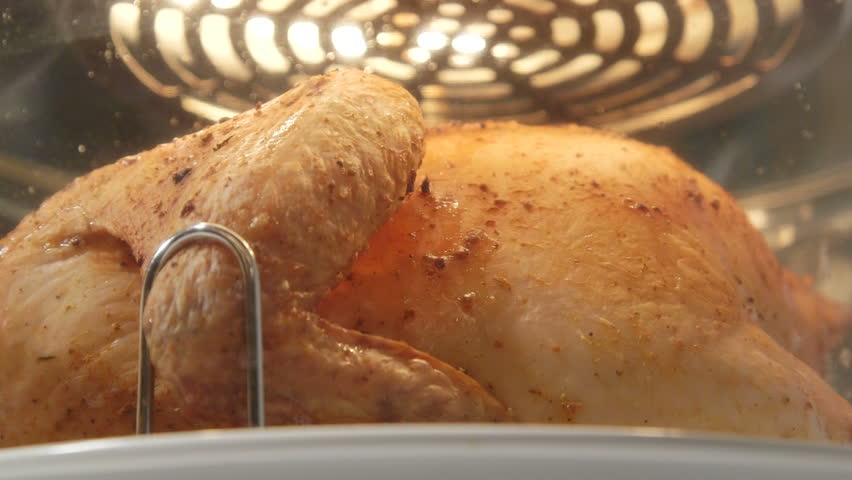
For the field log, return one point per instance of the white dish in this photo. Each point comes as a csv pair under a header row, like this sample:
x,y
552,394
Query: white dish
x,y
414,452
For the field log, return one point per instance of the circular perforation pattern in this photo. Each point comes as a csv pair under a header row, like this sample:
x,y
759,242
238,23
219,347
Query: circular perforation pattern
x,y
626,64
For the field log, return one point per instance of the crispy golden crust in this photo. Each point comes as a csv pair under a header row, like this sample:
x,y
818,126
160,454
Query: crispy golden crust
x,y
585,277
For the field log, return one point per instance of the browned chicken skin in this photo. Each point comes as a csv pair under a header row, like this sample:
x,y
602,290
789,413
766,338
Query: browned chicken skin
x,y
306,179
548,274
584,277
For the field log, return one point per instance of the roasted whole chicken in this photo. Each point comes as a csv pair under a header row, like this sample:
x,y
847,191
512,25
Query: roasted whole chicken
x,y
535,274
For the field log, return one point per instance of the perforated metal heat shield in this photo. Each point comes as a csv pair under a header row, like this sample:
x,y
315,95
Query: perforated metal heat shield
x,y
627,65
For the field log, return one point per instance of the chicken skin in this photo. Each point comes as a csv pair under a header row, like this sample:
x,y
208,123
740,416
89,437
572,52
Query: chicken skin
x,y
588,278
306,180
541,274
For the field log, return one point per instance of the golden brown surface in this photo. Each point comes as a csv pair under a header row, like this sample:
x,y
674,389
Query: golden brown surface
x,y
545,274
305,179
588,278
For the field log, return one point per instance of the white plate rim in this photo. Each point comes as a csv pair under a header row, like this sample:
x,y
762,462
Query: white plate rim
x,y
463,442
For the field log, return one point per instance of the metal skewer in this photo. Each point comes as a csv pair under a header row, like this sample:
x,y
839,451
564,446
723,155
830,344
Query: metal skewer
x,y
254,327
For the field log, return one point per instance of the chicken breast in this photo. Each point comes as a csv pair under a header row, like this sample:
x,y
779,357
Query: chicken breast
x,y
587,278
306,179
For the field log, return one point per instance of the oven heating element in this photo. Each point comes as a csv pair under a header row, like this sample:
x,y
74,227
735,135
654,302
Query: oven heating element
x,y
623,64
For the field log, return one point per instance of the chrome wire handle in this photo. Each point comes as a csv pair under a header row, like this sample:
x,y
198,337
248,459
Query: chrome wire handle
x,y
254,326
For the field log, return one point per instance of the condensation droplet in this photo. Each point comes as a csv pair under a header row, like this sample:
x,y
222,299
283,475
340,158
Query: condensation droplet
x,y
173,121
81,148
90,74
807,134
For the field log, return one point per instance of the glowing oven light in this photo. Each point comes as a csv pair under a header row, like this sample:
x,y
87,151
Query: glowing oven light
x,y
304,34
185,3
261,27
305,42
349,41
469,43
223,4
432,40
260,41
418,55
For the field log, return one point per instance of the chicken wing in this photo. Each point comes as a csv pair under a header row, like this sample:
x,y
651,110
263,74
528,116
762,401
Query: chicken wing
x,y
587,278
